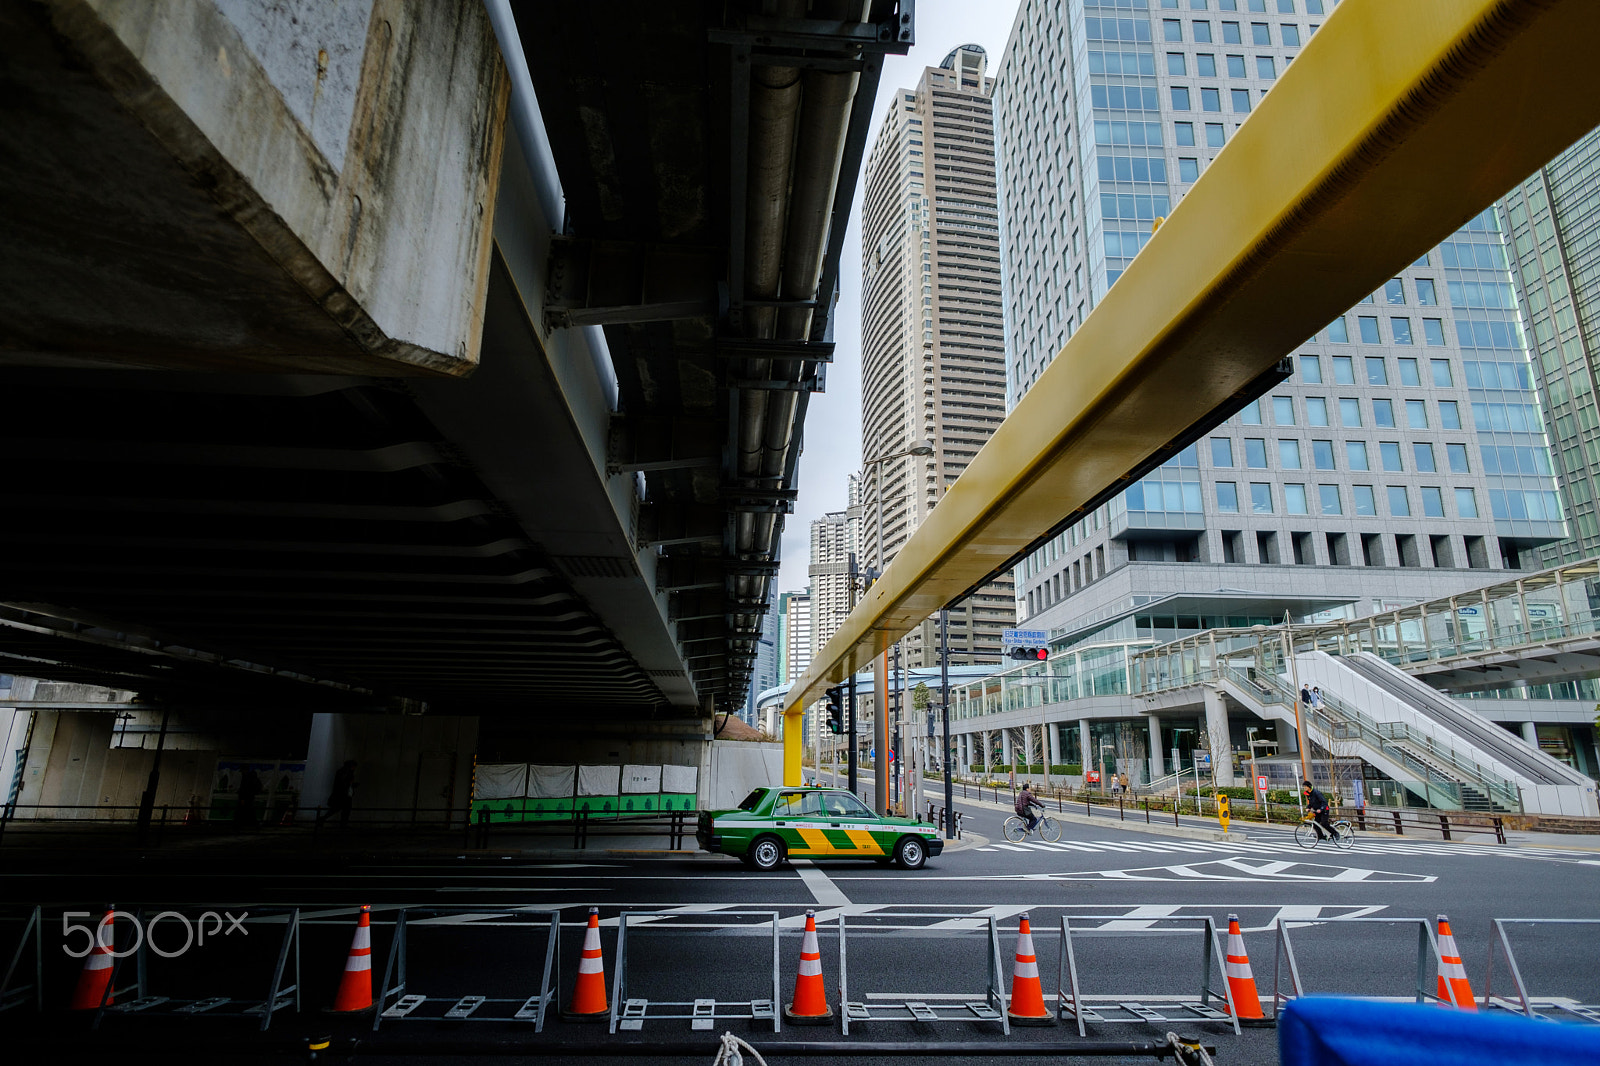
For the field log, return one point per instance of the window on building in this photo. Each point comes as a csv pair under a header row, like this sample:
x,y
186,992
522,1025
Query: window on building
x,y
1314,7
1457,456
1427,296
1236,66
1416,414
1202,32
1369,330
1231,34
1433,332
1221,452
1259,34
1350,412
1330,499
1441,373
1400,328
1189,169
1266,68
1449,415
1250,413
1316,411
1228,497
1180,98
1344,370
1260,497
1241,100
1294,499
1365,500
1337,331
1255,453
1176,63
1205,65
1377,369
1183,134
1355,452
1399,502
1285,7
1322,454
1289,454
1409,374
1394,291
1432,502
1290,34
1389,450
1216,136
1210,99
1383,413
1283,410
1171,30
1422,456
1311,369
1466,503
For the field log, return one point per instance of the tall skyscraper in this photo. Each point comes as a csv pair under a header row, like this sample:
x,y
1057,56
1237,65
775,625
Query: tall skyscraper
x,y
933,354
834,539
1552,223
1406,450
796,608
764,674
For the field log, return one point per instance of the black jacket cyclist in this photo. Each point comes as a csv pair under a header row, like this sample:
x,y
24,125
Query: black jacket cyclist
x,y
1317,804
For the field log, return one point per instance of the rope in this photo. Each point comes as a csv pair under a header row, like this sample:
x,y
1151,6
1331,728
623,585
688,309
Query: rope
x,y
729,1055
1187,1052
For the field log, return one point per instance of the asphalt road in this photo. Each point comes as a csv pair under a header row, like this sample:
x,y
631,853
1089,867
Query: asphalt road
x,y
1137,902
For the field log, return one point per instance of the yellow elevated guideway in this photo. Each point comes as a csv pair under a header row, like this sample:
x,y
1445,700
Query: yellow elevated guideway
x,y
1399,121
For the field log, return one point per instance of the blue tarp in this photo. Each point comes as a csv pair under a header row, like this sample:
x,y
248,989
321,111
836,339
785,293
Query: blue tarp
x,y
1333,1031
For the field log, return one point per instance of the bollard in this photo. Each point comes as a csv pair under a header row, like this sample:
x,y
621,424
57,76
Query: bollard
x,y
1398,830
1147,811
1444,825
1361,819
1499,830
1174,814
1087,813
1121,815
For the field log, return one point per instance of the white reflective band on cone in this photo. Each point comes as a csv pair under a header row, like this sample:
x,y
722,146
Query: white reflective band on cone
x,y
1026,969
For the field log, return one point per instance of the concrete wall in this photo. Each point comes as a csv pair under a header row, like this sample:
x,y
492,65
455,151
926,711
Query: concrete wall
x,y
402,761
738,767
66,763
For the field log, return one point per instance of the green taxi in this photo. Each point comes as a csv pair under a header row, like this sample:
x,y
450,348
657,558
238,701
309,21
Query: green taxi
x,y
774,823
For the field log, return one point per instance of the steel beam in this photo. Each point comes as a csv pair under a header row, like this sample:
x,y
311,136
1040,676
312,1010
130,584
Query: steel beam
x,y
1372,148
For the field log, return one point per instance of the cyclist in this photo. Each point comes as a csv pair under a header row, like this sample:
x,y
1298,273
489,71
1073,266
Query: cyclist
x,y
1024,805
1317,804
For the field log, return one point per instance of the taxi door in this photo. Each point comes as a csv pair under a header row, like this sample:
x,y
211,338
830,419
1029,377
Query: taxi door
x,y
795,816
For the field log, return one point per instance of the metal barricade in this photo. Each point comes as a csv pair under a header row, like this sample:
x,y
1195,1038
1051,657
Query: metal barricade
x,y
926,1008
1589,1012
145,1000
1429,961
1069,995
396,972
14,990
630,1013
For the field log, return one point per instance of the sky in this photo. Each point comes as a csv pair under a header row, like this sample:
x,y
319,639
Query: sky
x,y
833,422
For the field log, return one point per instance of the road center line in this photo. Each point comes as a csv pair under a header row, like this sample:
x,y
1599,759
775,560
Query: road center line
x,y
822,887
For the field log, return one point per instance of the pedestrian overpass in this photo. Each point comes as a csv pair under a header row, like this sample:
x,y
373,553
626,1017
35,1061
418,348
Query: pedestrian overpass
x,y
1317,199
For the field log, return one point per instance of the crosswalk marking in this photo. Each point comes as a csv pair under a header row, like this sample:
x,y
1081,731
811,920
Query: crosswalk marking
x,y
1289,847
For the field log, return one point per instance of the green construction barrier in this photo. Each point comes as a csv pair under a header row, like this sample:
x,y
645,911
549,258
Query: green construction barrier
x,y
643,803
599,806
548,809
500,810
677,801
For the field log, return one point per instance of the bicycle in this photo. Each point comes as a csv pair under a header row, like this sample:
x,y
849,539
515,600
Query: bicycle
x,y
1305,834
1048,828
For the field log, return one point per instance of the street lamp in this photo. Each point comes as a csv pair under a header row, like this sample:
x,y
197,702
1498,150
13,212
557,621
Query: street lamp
x,y
880,716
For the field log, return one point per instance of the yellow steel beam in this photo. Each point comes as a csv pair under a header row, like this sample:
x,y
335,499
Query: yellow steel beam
x,y
1398,122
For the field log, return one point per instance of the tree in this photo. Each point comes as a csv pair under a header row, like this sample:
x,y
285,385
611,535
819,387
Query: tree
x,y
921,697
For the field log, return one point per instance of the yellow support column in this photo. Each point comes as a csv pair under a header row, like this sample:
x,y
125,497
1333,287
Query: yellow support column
x,y
793,746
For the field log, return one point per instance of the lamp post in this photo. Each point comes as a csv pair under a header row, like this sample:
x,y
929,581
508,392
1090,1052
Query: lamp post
x,y
1104,744
880,711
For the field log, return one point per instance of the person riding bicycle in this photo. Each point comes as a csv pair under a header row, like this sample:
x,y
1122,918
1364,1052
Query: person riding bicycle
x,y
1317,805
1024,805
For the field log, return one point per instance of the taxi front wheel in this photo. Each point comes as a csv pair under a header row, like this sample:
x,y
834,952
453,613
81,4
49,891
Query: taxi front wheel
x,y
911,853
766,853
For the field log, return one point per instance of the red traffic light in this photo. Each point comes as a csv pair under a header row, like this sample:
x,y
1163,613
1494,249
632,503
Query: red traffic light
x,y
1041,653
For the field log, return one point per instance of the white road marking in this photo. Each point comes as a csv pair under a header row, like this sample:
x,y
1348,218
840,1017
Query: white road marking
x,y
822,887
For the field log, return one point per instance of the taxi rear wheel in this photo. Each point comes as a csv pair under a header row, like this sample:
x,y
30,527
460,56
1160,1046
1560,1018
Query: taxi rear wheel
x,y
911,853
766,853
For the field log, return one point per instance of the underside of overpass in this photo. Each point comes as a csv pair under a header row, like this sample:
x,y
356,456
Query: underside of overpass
x,y
490,402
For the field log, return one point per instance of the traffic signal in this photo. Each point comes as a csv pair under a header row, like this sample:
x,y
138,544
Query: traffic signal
x,y
1035,654
835,710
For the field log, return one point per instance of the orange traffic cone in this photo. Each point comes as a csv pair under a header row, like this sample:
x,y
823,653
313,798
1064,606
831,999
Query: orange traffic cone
x,y
810,1006
1459,990
1027,994
94,980
355,987
589,994
1241,980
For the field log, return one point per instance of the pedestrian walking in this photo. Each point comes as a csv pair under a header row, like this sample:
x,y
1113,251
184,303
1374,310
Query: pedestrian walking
x,y
342,797
1316,697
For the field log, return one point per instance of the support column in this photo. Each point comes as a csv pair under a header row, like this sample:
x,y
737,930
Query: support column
x,y
1005,748
1217,730
1085,756
1530,733
1158,765
1288,742
1054,743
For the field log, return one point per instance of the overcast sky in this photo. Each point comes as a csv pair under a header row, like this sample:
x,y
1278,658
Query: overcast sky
x,y
833,423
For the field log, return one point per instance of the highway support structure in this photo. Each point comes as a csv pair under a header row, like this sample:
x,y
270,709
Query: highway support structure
x,y
1316,200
